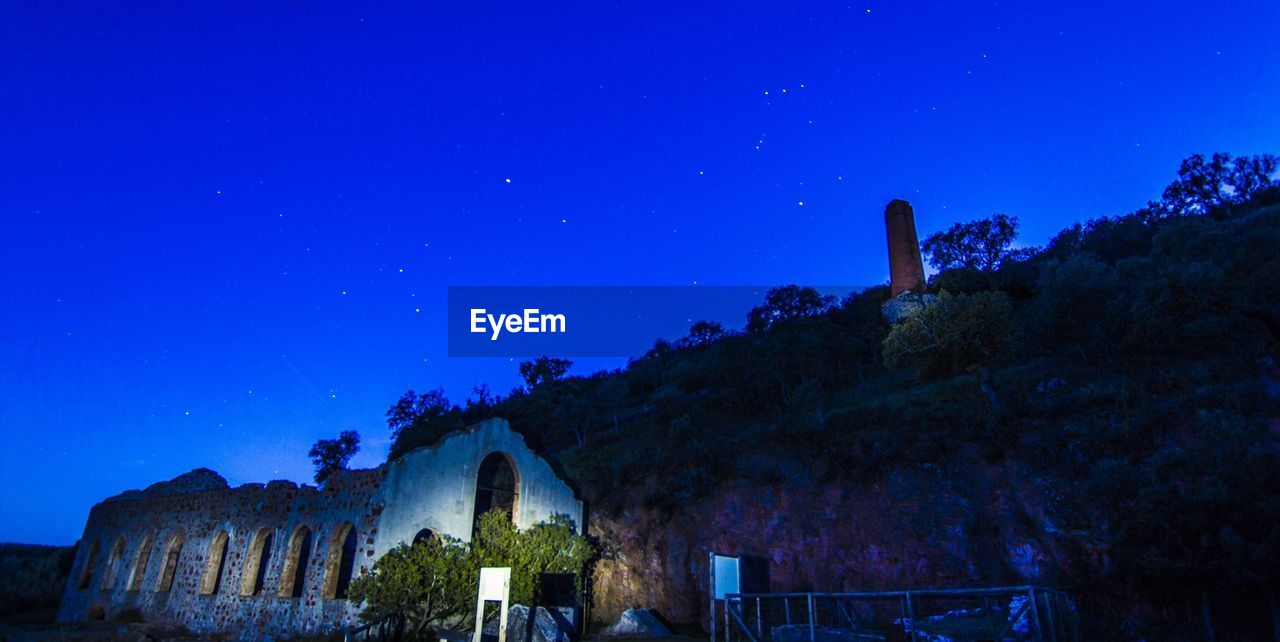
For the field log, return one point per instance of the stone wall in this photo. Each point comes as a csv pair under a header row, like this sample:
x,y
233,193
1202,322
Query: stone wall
x,y
123,561
418,497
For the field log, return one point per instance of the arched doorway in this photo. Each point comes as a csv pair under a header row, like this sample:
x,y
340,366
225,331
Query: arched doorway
x,y
113,564
341,562
297,559
215,564
256,562
497,487
171,555
140,564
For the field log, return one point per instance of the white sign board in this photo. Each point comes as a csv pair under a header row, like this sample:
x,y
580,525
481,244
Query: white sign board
x,y
495,584
727,575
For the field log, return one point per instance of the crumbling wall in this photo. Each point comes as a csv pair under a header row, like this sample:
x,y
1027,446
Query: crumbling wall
x,y
194,509
125,562
418,497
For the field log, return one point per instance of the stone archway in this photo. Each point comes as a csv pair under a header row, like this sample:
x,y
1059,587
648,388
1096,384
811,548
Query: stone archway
x,y
215,564
297,559
340,564
497,487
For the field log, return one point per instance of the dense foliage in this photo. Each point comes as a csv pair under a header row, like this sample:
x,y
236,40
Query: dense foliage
x,y
434,581
953,334
543,370
1128,369
983,245
546,547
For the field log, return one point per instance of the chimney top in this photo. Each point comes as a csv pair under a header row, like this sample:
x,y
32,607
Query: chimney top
x,y
906,269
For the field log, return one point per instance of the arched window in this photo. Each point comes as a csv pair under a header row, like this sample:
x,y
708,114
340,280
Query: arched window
x,y
171,554
296,559
340,563
425,535
256,563
497,487
86,571
140,564
215,564
113,564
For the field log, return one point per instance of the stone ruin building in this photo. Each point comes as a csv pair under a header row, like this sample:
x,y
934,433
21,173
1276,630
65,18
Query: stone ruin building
x,y
276,559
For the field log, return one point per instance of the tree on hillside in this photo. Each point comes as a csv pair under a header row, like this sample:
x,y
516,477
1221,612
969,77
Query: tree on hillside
x,y
484,400
983,245
702,333
418,410
787,303
422,420
543,370
1205,184
332,455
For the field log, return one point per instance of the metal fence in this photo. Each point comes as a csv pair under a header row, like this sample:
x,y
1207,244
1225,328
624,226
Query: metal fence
x,y
1005,614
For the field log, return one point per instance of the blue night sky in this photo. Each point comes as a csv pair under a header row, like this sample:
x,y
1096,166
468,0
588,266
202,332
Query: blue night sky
x,y
228,228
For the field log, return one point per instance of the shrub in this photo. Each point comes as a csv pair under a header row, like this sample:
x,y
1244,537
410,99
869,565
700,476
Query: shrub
x,y
546,547
954,333
434,582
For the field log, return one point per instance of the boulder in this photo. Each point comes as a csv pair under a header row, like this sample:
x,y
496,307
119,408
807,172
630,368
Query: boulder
x,y
549,625
905,305
636,623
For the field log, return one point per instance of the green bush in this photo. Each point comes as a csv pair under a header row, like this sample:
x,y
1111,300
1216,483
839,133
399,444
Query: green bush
x,y
954,333
434,582
546,547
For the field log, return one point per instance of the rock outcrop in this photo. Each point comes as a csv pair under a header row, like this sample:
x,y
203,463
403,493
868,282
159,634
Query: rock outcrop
x,y
636,623
905,305
548,625
919,528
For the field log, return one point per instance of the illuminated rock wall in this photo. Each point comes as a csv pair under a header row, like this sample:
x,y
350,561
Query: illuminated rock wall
x,y
155,553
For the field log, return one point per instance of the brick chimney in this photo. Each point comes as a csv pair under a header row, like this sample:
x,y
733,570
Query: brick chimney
x,y
906,270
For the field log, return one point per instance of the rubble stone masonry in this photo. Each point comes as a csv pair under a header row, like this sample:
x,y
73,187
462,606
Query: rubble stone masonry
x,y
271,560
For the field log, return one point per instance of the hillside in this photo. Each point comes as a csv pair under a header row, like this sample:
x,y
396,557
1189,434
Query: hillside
x,y
1099,415
32,579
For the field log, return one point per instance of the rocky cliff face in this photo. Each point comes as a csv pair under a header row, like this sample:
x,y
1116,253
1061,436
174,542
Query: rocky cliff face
x,y
916,529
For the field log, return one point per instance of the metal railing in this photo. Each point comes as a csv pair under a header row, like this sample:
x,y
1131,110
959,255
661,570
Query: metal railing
x,y
1003,614
388,628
